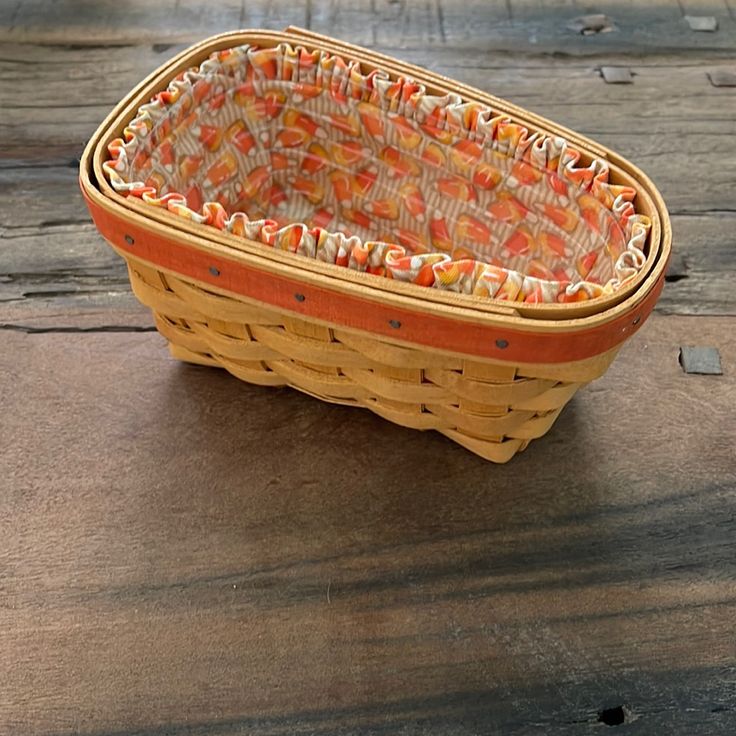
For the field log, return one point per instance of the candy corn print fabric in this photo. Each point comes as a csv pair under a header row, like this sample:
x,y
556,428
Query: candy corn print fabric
x,y
304,152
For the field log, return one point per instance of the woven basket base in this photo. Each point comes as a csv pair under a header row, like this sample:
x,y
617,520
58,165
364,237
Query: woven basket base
x,y
492,409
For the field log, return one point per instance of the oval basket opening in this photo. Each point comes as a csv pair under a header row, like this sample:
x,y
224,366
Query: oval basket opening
x,y
304,151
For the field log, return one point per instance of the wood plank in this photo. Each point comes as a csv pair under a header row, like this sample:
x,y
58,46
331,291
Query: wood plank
x,y
55,256
354,19
108,23
472,19
80,270
650,121
50,255
707,251
408,23
70,267
536,27
180,550
49,251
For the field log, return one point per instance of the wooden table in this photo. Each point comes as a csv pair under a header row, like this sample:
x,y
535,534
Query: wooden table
x,y
181,553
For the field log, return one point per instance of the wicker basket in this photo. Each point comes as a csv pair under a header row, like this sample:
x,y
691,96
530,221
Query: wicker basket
x,y
490,375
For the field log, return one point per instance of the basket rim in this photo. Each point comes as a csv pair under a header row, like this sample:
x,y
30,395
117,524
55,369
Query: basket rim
x,y
488,137
394,317
659,239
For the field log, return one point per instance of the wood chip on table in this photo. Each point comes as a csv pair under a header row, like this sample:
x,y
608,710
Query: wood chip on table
x,y
589,25
702,23
617,75
704,361
722,78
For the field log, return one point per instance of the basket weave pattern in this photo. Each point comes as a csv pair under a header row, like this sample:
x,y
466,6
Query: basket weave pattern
x,y
493,409
489,377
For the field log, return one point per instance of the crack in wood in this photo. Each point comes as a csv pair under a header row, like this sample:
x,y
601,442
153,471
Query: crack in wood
x,y
30,330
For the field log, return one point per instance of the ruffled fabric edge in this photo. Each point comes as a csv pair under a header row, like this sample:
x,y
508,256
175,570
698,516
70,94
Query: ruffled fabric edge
x,y
447,114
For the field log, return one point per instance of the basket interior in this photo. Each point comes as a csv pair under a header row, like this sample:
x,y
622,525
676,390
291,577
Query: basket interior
x,y
303,151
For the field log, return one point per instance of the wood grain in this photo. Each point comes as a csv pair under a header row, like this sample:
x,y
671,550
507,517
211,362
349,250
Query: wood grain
x,y
664,145
528,25
181,553
184,553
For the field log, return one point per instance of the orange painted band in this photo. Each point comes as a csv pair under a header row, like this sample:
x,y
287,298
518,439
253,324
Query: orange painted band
x,y
445,333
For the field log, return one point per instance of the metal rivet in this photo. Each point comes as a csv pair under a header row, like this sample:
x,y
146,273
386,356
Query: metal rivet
x,y
502,344
636,320
299,297
129,239
394,323
214,271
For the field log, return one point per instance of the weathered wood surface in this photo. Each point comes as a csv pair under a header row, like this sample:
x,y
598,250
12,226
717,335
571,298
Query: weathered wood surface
x,y
181,553
538,25
187,554
671,121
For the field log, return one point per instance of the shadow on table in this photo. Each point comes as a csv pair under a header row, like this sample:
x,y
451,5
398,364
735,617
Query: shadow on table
x,y
400,570
333,482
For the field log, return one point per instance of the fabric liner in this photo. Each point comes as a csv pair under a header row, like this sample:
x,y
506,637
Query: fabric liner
x,y
303,151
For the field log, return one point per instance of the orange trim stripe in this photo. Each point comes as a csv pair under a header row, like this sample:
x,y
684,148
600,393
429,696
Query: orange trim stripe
x,y
341,309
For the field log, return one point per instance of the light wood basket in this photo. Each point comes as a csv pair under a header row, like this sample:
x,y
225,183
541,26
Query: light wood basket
x,y
490,377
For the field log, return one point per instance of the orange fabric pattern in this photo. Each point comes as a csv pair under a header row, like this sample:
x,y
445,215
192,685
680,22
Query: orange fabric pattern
x,y
304,152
